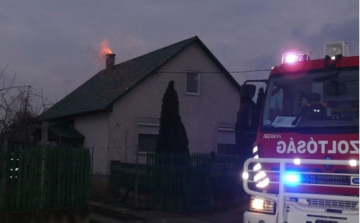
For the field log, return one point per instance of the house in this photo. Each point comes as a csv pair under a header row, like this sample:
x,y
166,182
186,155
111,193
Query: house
x,y
116,112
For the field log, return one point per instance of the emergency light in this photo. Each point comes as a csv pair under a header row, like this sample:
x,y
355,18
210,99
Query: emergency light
x,y
354,180
294,57
292,179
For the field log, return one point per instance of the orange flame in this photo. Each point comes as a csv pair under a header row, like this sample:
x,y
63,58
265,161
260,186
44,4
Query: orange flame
x,y
104,49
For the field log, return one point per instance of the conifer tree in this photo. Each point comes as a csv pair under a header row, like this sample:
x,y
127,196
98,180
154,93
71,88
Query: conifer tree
x,y
172,134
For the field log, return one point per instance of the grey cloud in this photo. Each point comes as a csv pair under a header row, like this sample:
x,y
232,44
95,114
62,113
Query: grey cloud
x,y
55,42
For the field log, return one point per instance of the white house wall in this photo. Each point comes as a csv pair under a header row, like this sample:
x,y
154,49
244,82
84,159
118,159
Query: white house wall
x,y
202,115
95,128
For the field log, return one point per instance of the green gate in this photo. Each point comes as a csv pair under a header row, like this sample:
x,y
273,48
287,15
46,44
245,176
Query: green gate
x,y
178,182
43,178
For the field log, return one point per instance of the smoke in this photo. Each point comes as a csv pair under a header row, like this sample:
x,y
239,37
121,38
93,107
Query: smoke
x,y
98,53
126,48
104,49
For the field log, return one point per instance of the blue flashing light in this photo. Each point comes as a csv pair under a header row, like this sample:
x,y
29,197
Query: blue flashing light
x,y
355,180
292,179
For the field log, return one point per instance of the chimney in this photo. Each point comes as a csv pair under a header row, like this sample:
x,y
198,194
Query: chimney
x,y
110,60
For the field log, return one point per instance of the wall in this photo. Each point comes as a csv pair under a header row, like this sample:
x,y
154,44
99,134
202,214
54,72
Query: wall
x,y
95,128
215,107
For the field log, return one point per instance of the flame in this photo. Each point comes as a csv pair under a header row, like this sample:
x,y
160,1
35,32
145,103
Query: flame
x,y
104,49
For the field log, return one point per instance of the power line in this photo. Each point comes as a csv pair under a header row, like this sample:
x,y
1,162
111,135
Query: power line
x,y
249,71
216,72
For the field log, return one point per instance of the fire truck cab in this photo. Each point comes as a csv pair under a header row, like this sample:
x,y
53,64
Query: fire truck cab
x,y
305,165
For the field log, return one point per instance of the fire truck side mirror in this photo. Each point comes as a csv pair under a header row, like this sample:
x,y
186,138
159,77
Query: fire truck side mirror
x,y
247,106
247,91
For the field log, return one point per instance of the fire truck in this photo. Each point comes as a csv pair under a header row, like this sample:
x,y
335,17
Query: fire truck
x,y
305,158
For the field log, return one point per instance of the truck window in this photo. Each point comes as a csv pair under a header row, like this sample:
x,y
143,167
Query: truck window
x,y
312,100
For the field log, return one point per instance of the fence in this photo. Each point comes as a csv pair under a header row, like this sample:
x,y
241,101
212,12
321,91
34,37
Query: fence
x,y
181,183
43,178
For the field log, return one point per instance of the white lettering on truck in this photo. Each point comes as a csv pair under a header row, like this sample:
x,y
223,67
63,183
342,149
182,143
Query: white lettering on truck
x,y
312,146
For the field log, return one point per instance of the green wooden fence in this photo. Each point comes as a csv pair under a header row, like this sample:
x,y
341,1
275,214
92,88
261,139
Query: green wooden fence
x,y
178,182
43,178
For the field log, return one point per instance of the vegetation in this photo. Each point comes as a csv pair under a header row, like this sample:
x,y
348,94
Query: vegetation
x,y
172,133
19,106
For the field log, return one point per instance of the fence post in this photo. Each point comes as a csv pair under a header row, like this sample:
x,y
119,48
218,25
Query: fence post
x,y
92,160
3,168
42,177
136,176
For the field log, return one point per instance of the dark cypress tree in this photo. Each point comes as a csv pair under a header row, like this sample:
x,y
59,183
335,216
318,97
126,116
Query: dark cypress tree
x,y
172,152
172,134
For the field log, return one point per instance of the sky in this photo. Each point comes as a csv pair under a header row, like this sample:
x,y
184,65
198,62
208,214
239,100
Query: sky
x,y
54,45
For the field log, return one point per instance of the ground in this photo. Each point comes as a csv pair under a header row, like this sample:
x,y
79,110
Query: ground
x,y
103,208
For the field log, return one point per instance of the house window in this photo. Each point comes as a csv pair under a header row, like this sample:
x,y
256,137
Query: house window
x,y
226,149
147,136
226,141
147,142
193,83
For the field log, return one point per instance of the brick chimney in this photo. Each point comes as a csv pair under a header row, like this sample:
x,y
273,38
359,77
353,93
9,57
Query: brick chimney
x,y
110,60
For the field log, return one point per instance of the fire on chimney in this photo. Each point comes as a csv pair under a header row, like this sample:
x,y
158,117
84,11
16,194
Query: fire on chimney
x,y
110,60
106,52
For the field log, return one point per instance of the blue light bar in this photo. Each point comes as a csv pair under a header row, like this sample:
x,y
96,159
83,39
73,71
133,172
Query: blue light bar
x,y
292,179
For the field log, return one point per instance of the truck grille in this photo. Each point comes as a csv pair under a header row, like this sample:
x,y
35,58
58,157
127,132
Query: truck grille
x,y
332,203
325,179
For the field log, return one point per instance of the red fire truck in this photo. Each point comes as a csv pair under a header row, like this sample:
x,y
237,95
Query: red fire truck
x,y
305,165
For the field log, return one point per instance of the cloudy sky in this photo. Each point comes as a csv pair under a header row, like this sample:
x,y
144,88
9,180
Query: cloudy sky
x,y
53,45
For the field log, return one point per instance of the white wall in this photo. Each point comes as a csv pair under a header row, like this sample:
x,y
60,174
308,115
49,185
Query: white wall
x,y
95,128
202,115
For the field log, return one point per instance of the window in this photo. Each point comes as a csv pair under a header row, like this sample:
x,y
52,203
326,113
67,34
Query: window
x,y
147,142
226,141
193,83
147,136
227,149
313,100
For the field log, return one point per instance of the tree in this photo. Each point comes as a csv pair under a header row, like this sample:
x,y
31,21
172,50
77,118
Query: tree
x,y
172,134
172,152
19,106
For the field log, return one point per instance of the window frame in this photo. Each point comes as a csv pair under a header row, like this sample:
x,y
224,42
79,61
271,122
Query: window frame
x,y
145,135
187,83
141,131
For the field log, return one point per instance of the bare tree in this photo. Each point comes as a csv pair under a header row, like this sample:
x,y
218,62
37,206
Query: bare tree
x,y
20,104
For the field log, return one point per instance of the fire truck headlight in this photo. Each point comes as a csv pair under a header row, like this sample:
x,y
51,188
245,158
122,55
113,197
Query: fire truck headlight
x,y
245,175
292,179
259,204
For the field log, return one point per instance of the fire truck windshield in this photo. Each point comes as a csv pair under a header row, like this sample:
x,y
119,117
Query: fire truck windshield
x,y
315,99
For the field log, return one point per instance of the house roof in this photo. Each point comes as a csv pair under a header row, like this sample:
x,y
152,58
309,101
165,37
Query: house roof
x,y
64,131
103,89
